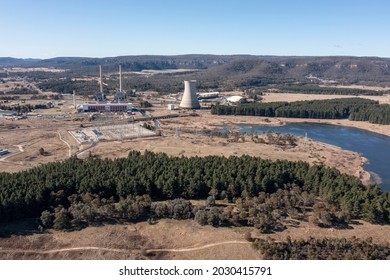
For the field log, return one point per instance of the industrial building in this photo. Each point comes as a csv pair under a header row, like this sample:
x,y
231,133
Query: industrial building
x,y
236,99
3,152
7,113
189,99
105,107
101,105
208,95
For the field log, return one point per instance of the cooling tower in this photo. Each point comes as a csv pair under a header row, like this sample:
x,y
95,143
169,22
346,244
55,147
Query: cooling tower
x,y
190,100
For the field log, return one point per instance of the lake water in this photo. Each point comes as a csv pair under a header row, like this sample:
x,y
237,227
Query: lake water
x,y
375,147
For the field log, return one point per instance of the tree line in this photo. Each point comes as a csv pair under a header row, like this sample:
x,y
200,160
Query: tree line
x,y
25,108
357,109
69,85
315,89
21,91
267,212
323,249
162,177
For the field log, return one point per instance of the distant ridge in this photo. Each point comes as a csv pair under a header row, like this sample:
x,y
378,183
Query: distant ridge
x,y
240,69
11,61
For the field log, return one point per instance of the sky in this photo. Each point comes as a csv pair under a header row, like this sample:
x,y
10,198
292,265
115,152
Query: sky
x,y
106,28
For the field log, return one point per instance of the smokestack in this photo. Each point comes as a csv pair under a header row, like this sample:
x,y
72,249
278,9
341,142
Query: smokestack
x,y
190,100
74,99
120,78
101,79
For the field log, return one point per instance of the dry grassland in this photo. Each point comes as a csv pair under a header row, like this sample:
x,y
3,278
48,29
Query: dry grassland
x,y
292,97
167,239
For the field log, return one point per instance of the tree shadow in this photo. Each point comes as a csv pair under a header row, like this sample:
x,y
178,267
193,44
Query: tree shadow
x,y
355,222
23,227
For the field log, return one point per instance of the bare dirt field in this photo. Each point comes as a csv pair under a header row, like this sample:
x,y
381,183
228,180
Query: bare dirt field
x,y
361,230
292,97
28,136
361,87
167,239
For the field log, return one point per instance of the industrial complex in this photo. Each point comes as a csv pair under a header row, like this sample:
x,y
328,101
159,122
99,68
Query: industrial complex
x,y
110,132
101,105
131,128
111,117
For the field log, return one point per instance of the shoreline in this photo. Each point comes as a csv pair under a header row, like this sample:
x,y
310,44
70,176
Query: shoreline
x,y
367,177
370,127
276,121
209,121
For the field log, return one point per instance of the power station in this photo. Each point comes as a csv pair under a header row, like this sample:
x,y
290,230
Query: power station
x,y
189,99
119,103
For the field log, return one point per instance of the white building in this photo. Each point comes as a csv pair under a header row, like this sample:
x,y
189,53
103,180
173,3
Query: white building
x,y
236,99
105,107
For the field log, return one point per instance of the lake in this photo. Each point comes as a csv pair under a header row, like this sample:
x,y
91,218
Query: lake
x,y
375,147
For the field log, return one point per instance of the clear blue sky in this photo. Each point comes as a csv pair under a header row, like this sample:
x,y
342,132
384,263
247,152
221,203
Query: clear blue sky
x,y
51,28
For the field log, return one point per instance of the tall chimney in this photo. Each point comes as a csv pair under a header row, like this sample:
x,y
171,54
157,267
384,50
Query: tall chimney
x,y
74,99
120,78
101,79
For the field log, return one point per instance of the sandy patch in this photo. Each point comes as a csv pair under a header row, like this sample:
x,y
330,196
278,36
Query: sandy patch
x,y
292,97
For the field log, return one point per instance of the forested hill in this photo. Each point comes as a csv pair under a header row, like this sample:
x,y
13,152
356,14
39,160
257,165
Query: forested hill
x,y
134,63
237,70
57,186
10,61
259,71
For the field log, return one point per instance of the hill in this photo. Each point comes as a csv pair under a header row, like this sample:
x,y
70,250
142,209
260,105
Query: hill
x,y
229,71
138,63
258,71
10,61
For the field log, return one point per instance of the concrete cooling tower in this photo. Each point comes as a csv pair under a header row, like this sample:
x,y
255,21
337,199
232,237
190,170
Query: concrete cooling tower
x,y
190,100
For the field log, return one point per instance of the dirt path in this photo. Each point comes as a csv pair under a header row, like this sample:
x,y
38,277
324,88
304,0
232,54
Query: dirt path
x,y
67,144
64,250
198,247
20,147
122,250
